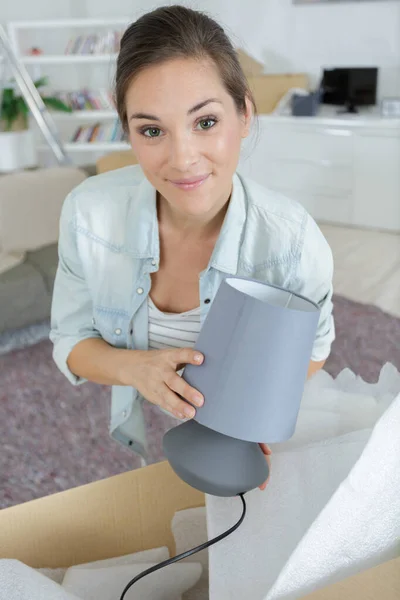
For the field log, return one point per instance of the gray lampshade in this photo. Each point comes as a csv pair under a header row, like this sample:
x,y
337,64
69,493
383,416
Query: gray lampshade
x,y
257,341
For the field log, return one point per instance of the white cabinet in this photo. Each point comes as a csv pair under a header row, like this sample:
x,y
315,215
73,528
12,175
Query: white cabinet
x,y
377,181
342,170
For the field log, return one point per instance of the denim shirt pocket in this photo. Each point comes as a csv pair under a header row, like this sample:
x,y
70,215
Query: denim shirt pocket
x,y
113,325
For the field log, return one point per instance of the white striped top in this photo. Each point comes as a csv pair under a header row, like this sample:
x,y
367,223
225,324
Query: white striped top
x,y
172,330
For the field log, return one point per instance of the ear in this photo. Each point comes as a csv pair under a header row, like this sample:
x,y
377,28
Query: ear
x,y
248,116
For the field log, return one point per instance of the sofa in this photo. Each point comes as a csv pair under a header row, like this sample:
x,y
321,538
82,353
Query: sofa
x,y
30,207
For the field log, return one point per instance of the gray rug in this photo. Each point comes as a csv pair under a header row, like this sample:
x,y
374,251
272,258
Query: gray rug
x,y
55,436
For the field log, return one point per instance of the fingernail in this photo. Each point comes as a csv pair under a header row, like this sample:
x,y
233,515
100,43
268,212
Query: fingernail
x,y
198,357
190,412
198,400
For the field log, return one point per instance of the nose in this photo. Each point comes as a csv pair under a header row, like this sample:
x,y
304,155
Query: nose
x,y
183,152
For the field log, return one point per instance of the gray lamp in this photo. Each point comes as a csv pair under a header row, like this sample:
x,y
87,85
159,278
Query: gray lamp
x,y
257,341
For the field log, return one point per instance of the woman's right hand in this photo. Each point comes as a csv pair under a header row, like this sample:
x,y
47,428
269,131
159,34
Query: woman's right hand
x,y
154,374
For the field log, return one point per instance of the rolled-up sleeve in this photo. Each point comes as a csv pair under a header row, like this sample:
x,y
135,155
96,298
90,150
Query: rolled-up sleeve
x,y
72,309
314,281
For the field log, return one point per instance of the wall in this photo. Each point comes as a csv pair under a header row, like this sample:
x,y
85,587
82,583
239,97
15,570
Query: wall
x,y
285,37
21,10
351,35
289,37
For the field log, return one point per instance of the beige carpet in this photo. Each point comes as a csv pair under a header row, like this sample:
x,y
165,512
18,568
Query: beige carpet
x,y
367,266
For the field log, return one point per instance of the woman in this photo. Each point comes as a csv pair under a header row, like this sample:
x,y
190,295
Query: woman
x,y
142,250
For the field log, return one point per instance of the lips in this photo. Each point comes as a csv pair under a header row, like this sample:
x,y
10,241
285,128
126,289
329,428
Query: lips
x,y
189,183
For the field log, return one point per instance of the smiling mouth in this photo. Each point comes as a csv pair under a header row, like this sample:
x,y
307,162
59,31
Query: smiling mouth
x,y
190,183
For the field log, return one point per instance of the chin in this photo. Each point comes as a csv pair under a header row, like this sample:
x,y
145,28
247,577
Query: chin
x,y
195,208
197,201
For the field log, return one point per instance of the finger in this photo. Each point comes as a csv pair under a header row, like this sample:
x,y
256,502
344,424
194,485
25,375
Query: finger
x,y
181,387
187,356
264,485
176,406
265,448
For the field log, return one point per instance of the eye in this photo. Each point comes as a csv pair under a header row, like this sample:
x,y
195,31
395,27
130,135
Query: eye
x,y
151,132
207,123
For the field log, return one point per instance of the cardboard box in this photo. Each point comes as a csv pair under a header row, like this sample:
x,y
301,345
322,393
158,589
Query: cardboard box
x,y
250,65
111,517
268,89
131,512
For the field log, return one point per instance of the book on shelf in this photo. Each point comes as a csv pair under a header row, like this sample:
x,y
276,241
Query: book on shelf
x,y
101,99
98,132
95,43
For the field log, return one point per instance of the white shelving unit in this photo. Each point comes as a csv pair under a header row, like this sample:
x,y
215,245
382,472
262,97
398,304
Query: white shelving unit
x,y
52,36
64,59
101,146
98,146
86,115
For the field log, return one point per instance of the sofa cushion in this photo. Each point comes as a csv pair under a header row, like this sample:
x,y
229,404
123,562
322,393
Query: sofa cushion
x,y
26,290
45,261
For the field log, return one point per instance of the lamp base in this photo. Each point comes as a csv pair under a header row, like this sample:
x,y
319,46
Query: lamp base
x,y
212,462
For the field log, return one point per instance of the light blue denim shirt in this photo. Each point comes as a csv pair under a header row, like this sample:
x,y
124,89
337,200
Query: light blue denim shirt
x,y
109,246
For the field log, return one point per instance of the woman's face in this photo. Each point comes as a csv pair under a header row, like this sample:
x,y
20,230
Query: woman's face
x,y
186,133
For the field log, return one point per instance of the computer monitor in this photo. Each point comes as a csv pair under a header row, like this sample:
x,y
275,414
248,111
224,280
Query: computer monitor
x,y
350,87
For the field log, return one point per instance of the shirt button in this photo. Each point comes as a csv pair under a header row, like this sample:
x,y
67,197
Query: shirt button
x,y
207,301
124,414
154,263
118,331
140,290
93,321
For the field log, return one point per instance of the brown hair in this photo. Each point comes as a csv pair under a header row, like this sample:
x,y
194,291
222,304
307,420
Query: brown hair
x,y
178,32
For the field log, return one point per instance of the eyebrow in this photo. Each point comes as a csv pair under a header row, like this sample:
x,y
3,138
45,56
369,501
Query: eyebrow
x,y
140,115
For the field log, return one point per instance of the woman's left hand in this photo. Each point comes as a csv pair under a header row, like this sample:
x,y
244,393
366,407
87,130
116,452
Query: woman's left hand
x,y
267,451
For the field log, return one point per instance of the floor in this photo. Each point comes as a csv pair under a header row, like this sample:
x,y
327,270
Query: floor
x,y
367,266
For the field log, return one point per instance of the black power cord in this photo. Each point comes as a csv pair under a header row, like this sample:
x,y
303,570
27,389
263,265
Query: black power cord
x,y
175,559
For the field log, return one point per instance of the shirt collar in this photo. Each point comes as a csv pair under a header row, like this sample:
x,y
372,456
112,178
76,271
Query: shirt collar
x,y
143,235
225,256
